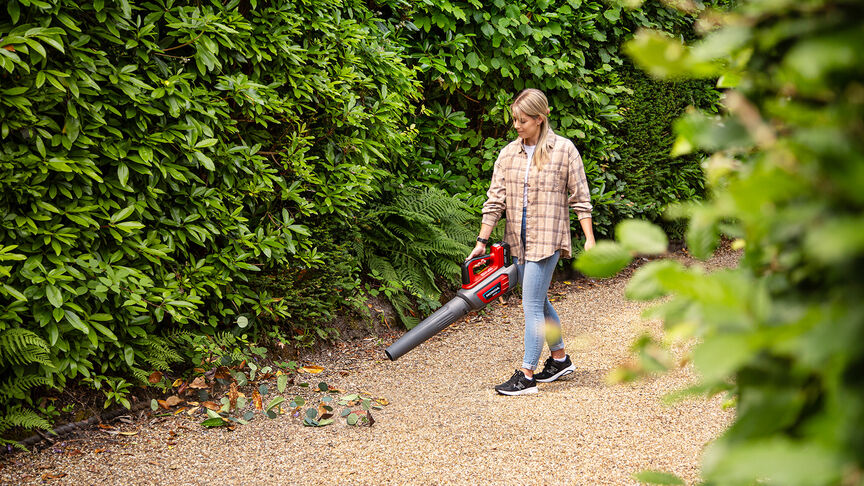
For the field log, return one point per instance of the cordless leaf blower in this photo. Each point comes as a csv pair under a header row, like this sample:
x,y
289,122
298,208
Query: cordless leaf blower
x,y
483,279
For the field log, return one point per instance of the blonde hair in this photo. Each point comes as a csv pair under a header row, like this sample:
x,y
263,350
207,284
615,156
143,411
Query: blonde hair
x,y
532,102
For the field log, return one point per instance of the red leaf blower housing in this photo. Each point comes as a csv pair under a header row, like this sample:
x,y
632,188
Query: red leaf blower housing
x,y
483,279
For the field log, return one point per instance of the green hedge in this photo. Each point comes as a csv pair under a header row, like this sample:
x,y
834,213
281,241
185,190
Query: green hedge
x,y
156,155
171,171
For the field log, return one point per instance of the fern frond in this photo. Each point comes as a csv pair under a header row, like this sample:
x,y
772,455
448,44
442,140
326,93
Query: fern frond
x,y
21,347
22,417
16,387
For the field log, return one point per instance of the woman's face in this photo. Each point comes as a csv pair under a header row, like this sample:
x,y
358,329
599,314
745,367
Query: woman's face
x,y
526,126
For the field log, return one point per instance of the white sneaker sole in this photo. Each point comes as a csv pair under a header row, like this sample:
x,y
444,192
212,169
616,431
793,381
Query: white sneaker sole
x,y
566,371
527,391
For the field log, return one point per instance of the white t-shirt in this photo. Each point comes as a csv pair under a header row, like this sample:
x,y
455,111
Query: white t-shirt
x,y
530,150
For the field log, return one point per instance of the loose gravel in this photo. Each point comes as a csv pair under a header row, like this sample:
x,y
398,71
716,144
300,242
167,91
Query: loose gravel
x,y
444,423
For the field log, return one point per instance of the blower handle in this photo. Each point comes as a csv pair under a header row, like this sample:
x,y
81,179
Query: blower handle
x,y
497,258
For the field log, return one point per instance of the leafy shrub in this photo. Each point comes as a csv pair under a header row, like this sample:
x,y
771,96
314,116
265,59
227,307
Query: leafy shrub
x,y
474,56
652,178
156,155
783,334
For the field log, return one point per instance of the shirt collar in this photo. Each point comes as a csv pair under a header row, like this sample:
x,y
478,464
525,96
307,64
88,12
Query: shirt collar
x,y
550,141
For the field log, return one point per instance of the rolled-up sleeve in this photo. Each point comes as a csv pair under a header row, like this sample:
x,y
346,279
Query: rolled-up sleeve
x,y
496,199
577,186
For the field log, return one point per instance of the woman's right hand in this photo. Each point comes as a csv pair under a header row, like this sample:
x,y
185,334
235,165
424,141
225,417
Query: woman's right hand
x,y
479,250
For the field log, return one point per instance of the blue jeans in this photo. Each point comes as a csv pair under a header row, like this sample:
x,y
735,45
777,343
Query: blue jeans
x,y
535,278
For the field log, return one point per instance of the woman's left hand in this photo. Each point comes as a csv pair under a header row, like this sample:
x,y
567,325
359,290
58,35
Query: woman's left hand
x,y
589,243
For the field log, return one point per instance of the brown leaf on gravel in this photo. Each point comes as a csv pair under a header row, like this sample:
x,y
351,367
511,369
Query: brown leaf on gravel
x,y
371,420
105,426
323,413
48,476
222,373
173,400
232,396
256,399
314,369
155,377
98,451
211,405
199,383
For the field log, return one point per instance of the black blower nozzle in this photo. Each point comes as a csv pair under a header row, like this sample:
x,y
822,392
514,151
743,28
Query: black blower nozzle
x,y
447,314
483,279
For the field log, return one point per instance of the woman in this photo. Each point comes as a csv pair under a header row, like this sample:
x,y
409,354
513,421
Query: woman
x,y
531,181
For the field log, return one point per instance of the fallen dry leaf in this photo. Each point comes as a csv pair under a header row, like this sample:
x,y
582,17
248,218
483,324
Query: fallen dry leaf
x,y
169,402
311,369
222,373
177,382
256,399
171,443
105,426
47,476
232,396
323,413
98,451
199,383
193,410
155,377
180,410
211,405
382,401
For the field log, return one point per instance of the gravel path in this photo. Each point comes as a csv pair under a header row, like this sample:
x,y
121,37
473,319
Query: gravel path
x,y
444,424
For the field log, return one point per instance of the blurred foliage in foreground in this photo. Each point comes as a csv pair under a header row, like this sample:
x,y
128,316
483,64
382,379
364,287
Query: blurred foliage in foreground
x,y
783,334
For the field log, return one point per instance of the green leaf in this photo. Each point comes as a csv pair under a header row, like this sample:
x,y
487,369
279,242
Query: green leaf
x,y
129,226
54,295
612,15
702,235
719,356
281,383
104,330
323,386
645,284
242,321
275,402
14,293
207,142
214,422
641,237
154,405
123,174
14,11
658,477
76,322
352,419
605,259
129,355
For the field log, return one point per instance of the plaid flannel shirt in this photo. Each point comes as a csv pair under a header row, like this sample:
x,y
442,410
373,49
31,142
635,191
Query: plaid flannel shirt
x,y
548,218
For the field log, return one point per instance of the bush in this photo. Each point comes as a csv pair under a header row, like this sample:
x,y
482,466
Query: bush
x,y
156,156
652,178
473,58
783,334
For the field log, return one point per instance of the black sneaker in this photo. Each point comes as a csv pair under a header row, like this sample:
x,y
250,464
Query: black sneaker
x,y
552,370
517,385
